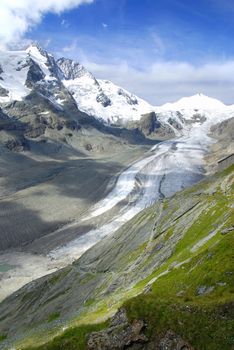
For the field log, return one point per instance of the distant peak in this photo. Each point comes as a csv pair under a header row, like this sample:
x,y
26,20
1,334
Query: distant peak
x,y
197,101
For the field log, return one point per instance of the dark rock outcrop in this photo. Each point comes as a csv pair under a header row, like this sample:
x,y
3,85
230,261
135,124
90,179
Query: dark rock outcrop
x,y
3,92
172,341
34,75
103,99
175,124
131,99
149,123
119,335
150,126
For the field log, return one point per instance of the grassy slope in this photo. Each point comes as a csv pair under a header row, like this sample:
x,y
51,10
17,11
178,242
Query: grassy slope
x,y
173,301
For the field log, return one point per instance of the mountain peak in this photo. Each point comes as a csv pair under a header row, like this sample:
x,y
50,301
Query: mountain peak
x,y
197,101
34,49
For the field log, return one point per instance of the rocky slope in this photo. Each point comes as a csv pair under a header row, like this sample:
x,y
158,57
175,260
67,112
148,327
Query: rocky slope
x,y
64,134
223,133
175,256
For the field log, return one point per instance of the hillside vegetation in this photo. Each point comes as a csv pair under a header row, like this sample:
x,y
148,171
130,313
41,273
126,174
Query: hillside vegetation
x,y
170,269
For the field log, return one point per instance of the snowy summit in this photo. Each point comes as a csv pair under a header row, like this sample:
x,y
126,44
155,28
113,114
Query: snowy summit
x,y
198,101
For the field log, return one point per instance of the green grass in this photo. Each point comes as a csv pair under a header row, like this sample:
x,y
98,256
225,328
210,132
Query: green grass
x,y
206,328
3,337
206,321
60,275
72,339
89,302
53,316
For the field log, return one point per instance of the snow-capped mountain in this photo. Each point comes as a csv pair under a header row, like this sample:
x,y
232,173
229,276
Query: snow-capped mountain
x,y
113,104
192,111
66,84
101,98
198,101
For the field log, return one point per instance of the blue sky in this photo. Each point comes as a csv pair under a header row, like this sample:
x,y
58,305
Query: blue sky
x,y
141,44
143,31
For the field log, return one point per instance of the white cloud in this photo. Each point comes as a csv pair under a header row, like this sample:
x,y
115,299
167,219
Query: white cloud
x,y
104,25
18,16
167,81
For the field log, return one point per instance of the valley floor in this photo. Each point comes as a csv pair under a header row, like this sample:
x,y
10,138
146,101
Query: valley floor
x,y
41,202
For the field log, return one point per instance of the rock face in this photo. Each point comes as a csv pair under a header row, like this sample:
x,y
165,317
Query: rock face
x,y
150,125
34,75
120,335
3,92
103,99
223,133
131,99
172,341
71,69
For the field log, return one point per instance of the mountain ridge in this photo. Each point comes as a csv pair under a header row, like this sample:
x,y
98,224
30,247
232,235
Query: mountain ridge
x,y
99,98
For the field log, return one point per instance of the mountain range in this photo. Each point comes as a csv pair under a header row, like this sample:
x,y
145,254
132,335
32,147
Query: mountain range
x,y
64,84
115,219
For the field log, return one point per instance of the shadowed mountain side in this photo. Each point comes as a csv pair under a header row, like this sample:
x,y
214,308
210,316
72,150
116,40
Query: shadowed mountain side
x,y
19,225
18,171
55,197
54,149
81,177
